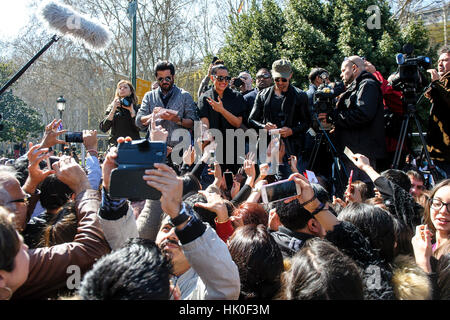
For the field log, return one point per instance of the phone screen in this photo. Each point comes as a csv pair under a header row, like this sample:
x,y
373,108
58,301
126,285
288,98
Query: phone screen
x,y
229,179
279,191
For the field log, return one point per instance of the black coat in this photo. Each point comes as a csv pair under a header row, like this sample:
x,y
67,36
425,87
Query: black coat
x,y
359,119
296,115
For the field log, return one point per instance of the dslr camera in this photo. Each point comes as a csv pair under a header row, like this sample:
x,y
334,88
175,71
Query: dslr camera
x,y
238,82
133,158
126,102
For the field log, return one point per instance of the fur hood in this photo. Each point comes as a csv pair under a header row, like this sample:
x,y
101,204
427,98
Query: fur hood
x,y
409,281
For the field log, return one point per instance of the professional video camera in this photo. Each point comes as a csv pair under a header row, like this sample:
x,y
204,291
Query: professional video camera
x,y
409,78
324,97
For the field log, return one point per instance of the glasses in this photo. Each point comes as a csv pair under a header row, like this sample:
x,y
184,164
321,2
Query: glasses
x,y
263,76
222,78
281,79
25,200
167,79
437,204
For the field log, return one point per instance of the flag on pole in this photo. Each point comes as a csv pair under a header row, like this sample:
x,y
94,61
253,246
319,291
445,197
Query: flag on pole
x,y
240,6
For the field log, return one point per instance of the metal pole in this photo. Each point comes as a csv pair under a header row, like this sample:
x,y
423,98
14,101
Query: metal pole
x,y
60,117
132,9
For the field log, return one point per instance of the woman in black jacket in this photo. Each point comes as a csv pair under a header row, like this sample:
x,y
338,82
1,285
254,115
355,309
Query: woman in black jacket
x,y
120,114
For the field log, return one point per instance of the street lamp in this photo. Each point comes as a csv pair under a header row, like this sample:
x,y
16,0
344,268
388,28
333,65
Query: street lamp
x,y
61,106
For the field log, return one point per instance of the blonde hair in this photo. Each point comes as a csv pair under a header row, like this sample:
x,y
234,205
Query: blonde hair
x,y
409,281
134,98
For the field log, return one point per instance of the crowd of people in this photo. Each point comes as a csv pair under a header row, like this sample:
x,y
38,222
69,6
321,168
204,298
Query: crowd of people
x,y
383,236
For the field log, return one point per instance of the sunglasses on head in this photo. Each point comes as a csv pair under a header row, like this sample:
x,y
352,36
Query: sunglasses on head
x,y
222,78
167,79
281,79
263,76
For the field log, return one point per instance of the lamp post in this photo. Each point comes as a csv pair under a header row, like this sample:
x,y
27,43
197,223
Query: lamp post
x,y
61,106
132,9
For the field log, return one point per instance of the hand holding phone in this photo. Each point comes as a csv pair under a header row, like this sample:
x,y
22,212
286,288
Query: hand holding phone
x,y
279,190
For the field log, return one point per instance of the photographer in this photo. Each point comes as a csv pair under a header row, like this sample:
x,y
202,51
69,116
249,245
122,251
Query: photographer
x,y
438,125
358,117
120,114
243,83
316,77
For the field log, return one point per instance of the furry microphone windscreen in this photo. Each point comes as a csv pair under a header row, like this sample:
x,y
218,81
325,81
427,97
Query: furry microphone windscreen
x,y
66,21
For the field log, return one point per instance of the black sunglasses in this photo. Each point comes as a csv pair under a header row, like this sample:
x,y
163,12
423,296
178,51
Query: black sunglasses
x,y
222,78
263,76
281,79
167,79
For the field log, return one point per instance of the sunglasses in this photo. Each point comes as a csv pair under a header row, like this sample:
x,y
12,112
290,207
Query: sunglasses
x,y
263,76
167,79
25,200
281,79
222,78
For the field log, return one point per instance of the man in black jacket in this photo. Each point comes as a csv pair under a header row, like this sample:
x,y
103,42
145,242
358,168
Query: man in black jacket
x,y
283,106
358,117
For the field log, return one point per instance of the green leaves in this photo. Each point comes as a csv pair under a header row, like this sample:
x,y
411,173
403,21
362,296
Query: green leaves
x,y
19,120
317,33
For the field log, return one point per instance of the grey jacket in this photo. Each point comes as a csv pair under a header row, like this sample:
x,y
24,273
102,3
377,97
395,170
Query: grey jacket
x,y
213,274
180,100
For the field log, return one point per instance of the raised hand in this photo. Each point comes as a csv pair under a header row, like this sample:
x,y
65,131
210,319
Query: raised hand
x,y
51,134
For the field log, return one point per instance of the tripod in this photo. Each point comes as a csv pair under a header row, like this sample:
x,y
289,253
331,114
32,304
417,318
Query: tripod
x,y
337,167
409,100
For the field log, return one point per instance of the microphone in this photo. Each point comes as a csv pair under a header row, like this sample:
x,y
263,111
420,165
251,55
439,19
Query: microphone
x,y
66,21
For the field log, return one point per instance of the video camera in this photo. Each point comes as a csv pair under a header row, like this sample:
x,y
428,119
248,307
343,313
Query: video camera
x,y
409,78
134,158
324,97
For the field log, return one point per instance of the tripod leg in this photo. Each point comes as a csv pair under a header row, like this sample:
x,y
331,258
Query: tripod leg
x,y
425,150
315,151
400,142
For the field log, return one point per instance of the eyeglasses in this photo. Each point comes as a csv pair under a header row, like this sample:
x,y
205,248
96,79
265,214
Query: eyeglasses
x,y
25,200
281,79
167,79
437,204
263,76
222,78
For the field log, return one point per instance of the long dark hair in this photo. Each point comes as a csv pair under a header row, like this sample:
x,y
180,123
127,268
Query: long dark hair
x,y
259,261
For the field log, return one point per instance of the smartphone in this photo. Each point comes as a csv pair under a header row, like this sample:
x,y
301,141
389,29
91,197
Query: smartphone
x,y
349,154
350,180
279,190
74,137
229,179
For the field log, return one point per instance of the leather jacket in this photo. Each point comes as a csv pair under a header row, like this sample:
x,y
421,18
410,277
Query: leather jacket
x,y
49,267
296,115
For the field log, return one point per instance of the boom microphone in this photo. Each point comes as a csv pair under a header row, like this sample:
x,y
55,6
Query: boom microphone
x,y
66,21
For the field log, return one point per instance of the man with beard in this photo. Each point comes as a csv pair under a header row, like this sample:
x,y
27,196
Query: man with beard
x,y
438,124
358,118
284,107
202,267
172,107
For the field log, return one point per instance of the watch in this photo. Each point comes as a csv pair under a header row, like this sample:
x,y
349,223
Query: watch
x,y
181,217
180,123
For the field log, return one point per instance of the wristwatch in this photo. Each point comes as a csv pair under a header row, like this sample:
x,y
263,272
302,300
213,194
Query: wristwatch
x,y
180,123
182,217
